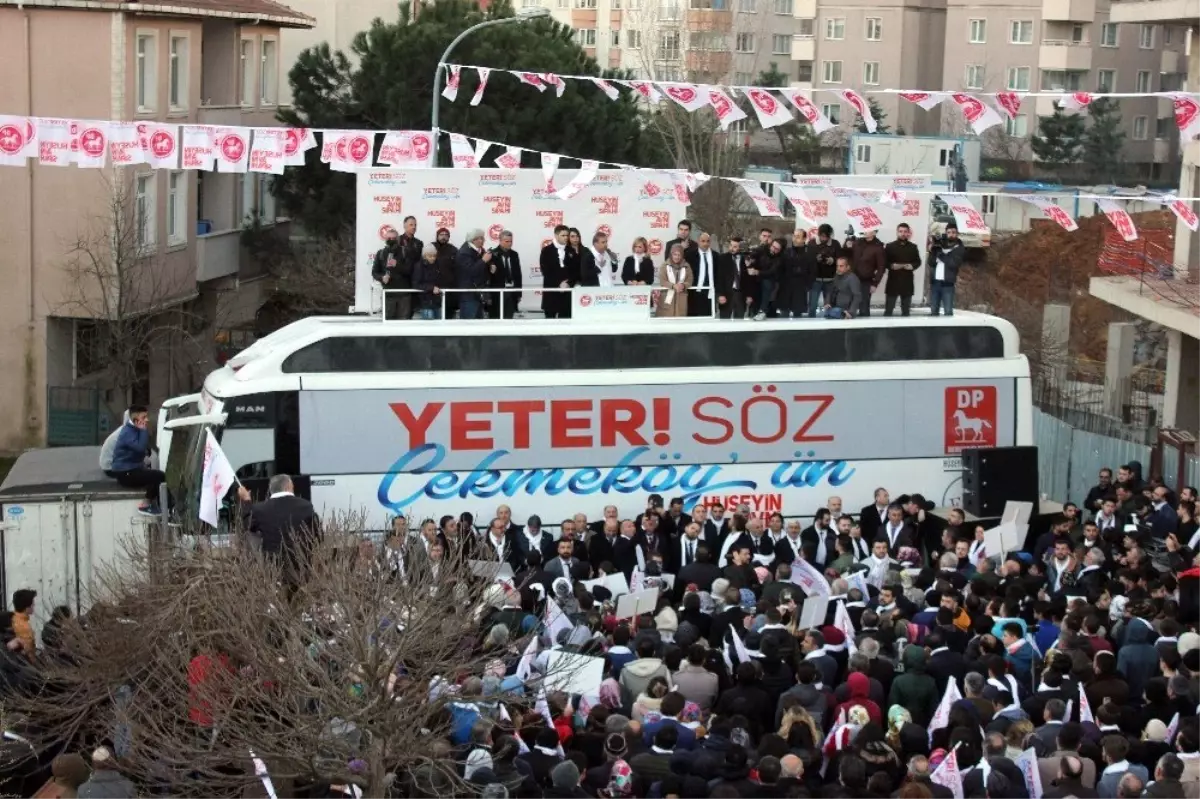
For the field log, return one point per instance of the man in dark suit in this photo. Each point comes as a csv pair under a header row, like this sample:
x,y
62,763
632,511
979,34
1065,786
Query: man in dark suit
x,y
736,289
611,514
682,550
625,549
701,571
704,273
653,539
683,237
944,664
897,531
674,520
497,544
710,531
600,546
560,269
504,272
287,525
872,517
790,546
533,538
596,260
564,561
820,540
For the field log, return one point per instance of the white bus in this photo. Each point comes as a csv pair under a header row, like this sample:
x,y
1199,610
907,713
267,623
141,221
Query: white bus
x,y
559,417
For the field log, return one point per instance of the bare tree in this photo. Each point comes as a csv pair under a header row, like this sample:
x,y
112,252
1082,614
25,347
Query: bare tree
x,y
346,677
314,277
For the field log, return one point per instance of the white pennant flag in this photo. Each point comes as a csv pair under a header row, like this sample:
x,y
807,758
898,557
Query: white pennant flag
x,y
1173,728
841,620
1085,707
232,147
1050,210
462,154
217,477
1183,211
54,141
859,104
555,620
980,116
260,771
1027,761
941,716
347,150
819,122
692,98
509,159
453,75
965,214
550,79
739,646
1120,219
124,144
406,148
948,775
762,201
646,89
1187,115
1076,101
637,581
530,79
607,88
526,662
483,72
925,100
549,167
160,144
1009,103
770,111
93,144
726,109
858,208
299,142
18,140
198,148
587,173
808,577
805,210
267,150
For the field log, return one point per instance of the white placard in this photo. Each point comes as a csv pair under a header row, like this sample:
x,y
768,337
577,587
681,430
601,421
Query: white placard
x,y
495,570
615,583
573,673
812,614
1017,512
632,605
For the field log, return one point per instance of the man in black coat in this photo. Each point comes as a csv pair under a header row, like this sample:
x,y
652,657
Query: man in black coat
x,y
287,525
825,251
944,663
560,269
872,517
596,259
702,571
625,549
901,258
683,237
504,273
736,288
533,538
471,267
394,265
800,271
820,540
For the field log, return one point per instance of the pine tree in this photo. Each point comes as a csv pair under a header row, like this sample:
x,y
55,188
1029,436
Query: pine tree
x,y
1059,140
1103,141
389,88
880,115
797,141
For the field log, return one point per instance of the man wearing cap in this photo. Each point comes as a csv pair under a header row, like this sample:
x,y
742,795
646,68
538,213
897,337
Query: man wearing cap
x,y
946,255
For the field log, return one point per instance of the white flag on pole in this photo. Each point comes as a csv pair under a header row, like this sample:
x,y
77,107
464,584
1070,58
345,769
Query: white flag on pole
x,y
556,620
526,662
941,716
1028,763
841,620
808,577
948,776
1085,707
218,478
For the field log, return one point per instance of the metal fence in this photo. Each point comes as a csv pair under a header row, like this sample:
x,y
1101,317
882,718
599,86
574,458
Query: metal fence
x,y
1069,458
1170,466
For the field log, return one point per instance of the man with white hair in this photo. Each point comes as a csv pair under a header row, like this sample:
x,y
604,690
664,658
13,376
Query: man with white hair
x,y
1090,579
471,269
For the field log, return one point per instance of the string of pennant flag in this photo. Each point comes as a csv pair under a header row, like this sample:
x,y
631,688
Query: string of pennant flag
x,y
771,112
97,143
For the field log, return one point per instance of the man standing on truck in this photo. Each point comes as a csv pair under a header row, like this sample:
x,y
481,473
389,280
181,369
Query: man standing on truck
x,y
902,258
868,263
129,459
946,255
394,265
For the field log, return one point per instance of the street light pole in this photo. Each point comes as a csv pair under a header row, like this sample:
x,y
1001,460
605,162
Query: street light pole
x,y
524,15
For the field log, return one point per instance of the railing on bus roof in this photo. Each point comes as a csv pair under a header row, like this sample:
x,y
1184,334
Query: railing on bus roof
x,y
443,294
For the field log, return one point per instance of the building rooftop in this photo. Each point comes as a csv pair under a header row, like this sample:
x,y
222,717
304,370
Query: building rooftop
x,y
250,10
1180,12
1173,303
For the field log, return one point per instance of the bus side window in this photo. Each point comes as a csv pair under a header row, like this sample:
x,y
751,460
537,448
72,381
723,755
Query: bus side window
x,y
287,433
255,471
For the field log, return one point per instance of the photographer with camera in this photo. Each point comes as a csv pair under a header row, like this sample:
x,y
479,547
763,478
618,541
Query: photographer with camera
x,y
946,253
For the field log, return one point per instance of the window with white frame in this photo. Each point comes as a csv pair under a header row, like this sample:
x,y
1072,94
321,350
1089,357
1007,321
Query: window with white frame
x,y
246,62
781,44
177,197
862,153
1143,81
615,37
1058,80
805,28
669,45
871,73
1146,37
1018,79
1163,126
1141,126
1017,126
585,3
974,76
744,43
177,91
1167,34
710,41
269,73
977,31
831,71
147,72
874,31
832,112
784,7
739,128
633,39
670,10
586,37
944,156
1108,34
835,29
804,71
1106,80
748,6
1077,33
143,211
1020,31
987,203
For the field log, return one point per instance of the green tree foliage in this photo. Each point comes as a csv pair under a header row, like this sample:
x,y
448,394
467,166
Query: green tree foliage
x,y
880,115
1059,140
1103,140
390,88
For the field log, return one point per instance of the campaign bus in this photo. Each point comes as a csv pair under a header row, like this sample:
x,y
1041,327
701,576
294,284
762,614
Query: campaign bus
x,y
556,417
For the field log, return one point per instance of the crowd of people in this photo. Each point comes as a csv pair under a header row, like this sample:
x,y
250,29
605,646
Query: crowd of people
x,y
774,277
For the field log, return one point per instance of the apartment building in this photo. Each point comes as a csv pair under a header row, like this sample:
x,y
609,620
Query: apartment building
x,y
176,61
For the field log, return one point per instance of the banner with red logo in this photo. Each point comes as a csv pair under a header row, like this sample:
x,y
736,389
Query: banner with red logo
x,y
1183,211
1050,210
980,116
762,201
125,144
770,111
646,90
606,87
530,79
691,98
55,137
299,142
613,201
926,100
160,144
1120,219
18,140
550,79
453,74
965,214
1008,103
1187,115
586,174
1076,101
93,144
820,123
483,73
725,108
858,208
859,104
549,167
347,150
407,148
268,150
462,154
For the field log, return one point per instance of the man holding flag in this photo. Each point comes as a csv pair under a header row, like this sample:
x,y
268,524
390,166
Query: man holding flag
x,y
287,525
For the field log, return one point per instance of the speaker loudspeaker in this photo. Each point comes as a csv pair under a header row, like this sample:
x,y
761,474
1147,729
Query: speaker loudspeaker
x,y
993,476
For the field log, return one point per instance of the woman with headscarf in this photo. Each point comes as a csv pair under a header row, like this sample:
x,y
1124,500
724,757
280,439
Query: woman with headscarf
x,y
647,705
675,278
897,717
841,739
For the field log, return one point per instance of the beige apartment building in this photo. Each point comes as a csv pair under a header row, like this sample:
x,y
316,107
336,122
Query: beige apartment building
x,y
176,61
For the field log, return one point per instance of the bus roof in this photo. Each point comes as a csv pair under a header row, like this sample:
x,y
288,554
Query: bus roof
x,y
251,370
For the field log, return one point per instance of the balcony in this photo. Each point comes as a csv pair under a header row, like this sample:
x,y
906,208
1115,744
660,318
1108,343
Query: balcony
x,y
1068,10
1177,12
583,18
804,9
803,85
708,65
804,48
220,253
709,19
1065,55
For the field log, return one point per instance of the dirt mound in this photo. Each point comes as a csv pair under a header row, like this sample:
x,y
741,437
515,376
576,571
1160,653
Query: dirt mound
x,y
1047,264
